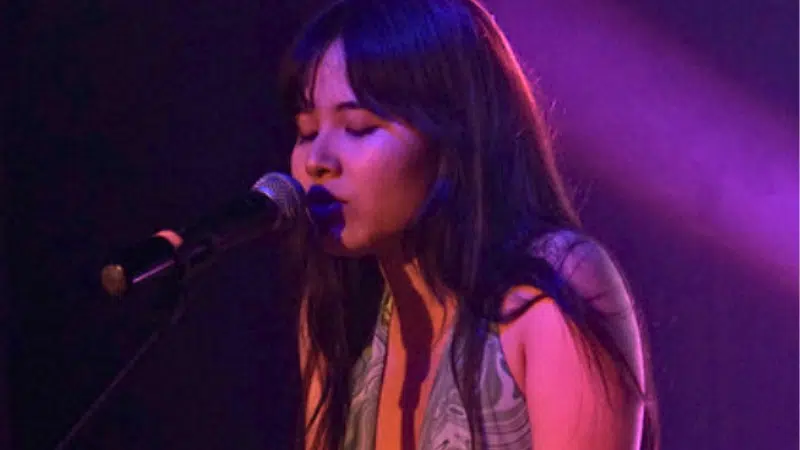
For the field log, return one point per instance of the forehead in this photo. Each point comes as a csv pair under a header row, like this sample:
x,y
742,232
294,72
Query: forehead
x,y
331,85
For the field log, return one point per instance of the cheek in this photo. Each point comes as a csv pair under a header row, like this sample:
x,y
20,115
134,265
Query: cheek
x,y
396,196
298,168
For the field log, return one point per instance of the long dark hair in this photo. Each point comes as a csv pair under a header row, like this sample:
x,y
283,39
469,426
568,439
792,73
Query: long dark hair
x,y
444,67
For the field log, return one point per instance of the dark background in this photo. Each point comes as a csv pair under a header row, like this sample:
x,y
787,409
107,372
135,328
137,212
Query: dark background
x,y
126,117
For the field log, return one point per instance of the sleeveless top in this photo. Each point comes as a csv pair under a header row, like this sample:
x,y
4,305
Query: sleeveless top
x,y
444,425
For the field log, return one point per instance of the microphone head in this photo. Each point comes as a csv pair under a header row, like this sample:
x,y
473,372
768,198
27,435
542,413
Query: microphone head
x,y
286,192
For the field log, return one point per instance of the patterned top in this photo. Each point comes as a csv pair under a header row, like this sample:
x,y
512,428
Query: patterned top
x,y
444,426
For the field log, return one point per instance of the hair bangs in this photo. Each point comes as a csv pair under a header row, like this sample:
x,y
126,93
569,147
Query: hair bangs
x,y
300,67
384,39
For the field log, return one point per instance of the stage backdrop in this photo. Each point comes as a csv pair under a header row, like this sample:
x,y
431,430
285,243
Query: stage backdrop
x,y
676,124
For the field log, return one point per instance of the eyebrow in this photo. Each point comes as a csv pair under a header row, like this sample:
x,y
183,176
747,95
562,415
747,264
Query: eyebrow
x,y
343,106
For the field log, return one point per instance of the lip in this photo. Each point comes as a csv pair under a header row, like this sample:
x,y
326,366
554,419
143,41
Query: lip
x,y
325,210
318,195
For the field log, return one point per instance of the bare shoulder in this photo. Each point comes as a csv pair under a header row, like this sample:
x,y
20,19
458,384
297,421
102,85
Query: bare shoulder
x,y
592,277
584,265
548,359
590,272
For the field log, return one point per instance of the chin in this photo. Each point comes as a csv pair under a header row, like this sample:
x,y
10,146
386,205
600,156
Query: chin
x,y
337,244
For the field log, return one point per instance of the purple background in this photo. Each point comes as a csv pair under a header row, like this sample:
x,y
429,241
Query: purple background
x,y
677,127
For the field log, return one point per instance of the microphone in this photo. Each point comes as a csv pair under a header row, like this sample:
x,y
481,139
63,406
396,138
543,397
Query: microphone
x,y
273,204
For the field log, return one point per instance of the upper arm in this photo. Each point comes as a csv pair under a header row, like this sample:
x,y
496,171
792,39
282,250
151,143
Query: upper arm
x,y
310,375
574,401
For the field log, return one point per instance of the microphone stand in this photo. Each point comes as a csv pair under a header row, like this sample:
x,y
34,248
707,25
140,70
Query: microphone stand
x,y
172,306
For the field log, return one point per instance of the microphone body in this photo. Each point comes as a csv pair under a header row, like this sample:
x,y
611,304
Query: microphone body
x,y
273,204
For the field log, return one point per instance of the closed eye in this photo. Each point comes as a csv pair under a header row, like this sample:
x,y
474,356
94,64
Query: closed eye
x,y
361,132
306,137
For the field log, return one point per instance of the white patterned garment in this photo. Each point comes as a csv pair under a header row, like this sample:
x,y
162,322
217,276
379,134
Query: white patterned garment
x,y
444,425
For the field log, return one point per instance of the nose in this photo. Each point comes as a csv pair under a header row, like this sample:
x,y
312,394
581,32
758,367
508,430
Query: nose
x,y
322,161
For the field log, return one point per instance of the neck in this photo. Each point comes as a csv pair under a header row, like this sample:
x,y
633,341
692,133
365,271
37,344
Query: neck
x,y
416,304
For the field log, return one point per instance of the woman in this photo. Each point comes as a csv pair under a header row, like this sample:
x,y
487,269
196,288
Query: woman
x,y
448,298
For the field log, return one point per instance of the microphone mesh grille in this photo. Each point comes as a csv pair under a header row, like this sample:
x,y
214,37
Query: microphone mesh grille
x,y
285,191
